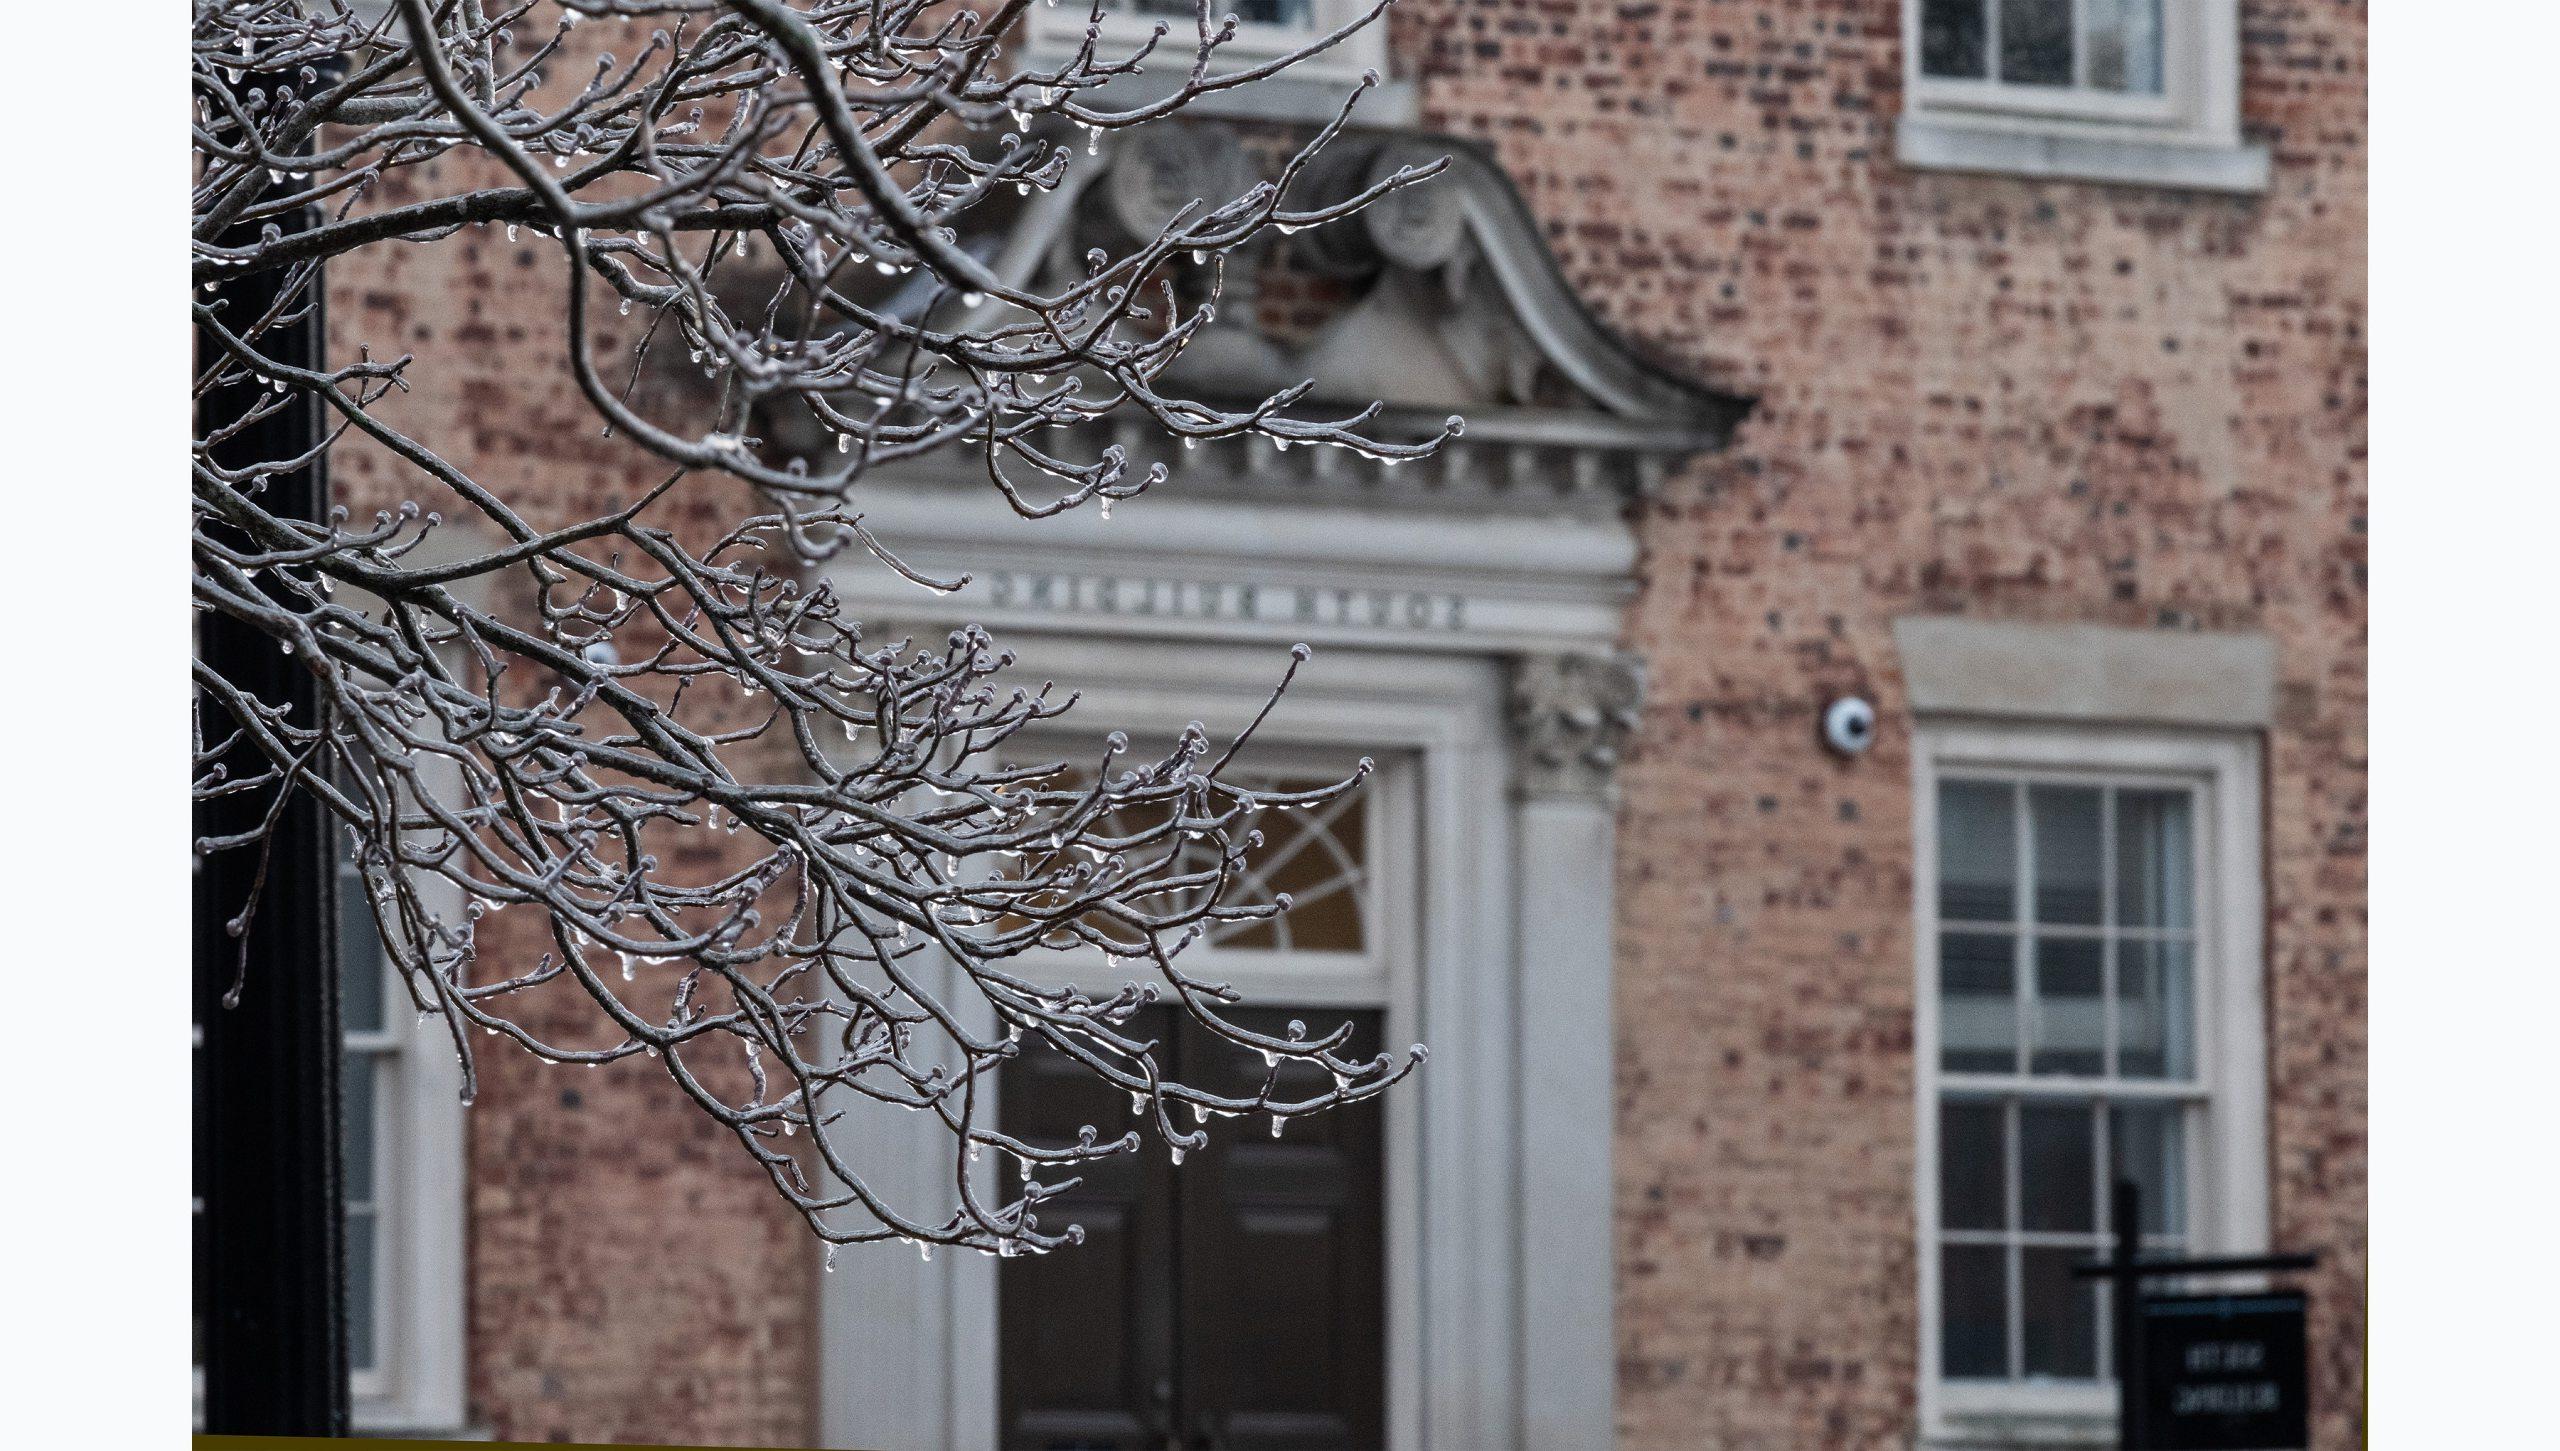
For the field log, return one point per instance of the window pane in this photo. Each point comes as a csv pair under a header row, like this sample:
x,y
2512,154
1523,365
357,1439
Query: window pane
x,y
2065,820
2155,859
356,1072
1319,857
1972,1171
1978,1002
1973,1296
2058,1167
2155,1010
2071,1006
2035,42
1977,852
2150,1149
363,1228
2124,45
2061,1314
359,960
1951,38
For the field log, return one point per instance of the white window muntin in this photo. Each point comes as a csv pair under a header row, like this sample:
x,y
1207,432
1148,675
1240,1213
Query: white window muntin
x,y
2225,1152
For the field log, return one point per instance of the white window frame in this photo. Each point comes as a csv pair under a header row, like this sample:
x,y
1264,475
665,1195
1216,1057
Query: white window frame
x,y
416,1384
2227,1156
909,1347
1311,90
1059,28
2188,135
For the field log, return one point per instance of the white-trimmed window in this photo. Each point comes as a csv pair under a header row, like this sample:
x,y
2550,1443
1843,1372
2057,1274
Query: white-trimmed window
x,y
2109,90
1313,89
2089,1010
402,1161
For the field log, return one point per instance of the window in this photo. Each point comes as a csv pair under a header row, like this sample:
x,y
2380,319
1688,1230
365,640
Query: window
x,y
1317,854
1311,90
401,1162
400,1119
2098,48
2089,1013
1333,946
2108,90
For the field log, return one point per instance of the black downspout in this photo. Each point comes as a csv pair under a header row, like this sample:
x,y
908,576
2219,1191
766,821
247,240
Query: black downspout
x,y
270,1254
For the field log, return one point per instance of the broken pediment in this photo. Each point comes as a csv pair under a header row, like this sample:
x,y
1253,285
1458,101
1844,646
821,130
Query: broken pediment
x,y
1436,298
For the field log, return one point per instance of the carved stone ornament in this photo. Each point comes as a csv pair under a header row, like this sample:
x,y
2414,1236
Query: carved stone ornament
x,y
1571,715
1159,170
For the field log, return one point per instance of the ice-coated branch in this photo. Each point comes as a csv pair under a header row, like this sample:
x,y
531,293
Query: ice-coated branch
x,y
552,716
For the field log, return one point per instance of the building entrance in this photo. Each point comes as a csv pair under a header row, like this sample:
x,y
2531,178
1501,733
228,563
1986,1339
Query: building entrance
x,y
1233,1303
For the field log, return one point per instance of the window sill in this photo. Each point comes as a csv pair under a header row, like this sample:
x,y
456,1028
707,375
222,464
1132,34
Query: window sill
x,y
1946,143
2022,1431
2017,1416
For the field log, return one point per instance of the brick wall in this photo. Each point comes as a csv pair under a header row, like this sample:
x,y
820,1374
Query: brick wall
x,y
2024,400
1998,397
632,1276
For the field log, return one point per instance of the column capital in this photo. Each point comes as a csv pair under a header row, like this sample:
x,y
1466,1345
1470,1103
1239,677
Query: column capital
x,y
1571,714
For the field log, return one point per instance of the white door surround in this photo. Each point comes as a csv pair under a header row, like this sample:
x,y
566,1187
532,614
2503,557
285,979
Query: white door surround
x,y
1466,614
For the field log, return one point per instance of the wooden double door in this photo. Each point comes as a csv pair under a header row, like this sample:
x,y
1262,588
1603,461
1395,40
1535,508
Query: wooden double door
x,y
1236,1302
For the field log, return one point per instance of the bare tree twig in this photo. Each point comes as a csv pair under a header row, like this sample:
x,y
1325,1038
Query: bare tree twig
x,y
877,933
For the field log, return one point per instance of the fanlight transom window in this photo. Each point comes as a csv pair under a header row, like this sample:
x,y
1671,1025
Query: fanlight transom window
x,y
1317,855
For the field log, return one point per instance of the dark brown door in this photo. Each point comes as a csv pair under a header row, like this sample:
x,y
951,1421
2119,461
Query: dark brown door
x,y
1234,1304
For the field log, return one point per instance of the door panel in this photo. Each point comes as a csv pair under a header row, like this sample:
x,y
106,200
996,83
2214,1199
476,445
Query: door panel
x,y
1234,1304
1284,1258
1085,1335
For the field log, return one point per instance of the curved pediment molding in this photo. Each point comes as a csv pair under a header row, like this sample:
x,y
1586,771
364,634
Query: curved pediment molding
x,y
1448,299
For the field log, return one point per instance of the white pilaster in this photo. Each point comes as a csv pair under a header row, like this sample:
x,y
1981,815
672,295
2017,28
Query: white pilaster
x,y
1571,715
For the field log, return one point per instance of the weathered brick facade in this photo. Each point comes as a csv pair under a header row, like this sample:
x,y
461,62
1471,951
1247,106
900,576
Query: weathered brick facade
x,y
2023,400
1993,396
632,1277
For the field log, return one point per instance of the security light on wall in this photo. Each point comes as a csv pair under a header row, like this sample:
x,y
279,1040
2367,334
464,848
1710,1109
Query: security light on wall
x,y
1849,726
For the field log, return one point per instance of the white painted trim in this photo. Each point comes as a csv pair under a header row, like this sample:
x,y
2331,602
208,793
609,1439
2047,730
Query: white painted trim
x,y
1567,847
420,1386
1937,143
909,1350
1191,567
2229,1188
2188,136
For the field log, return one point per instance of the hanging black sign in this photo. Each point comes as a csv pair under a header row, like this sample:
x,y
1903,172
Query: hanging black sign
x,y
2224,1373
